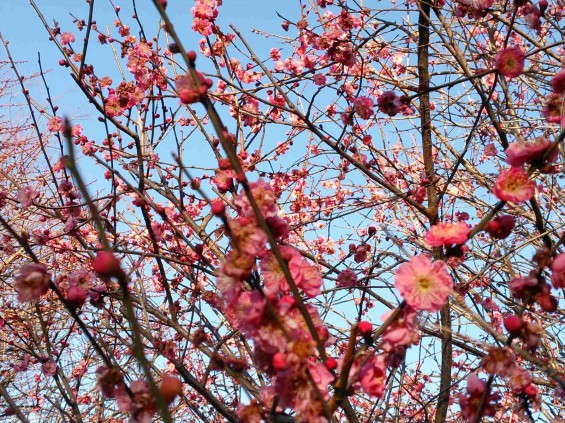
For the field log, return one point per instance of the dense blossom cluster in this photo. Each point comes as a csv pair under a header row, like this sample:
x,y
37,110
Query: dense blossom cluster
x,y
374,141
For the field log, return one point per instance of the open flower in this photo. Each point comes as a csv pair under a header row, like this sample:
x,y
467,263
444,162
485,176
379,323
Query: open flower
x,y
373,376
518,154
447,234
424,284
514,185
363,107
510,62
470,401
32,282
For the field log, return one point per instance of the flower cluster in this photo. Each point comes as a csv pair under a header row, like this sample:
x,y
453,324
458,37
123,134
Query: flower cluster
x,y
389,103
518,154
269,314
204,13
469,402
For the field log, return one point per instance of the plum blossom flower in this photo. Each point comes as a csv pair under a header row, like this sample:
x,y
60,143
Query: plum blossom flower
x,y
518,154
363,107
26,195
67,38
470,402
514,185
346,278
501,226
373,376
402,332
321,376
424,285
32,282
189,91
510,62
55,124
204,13
558,271
141,405
553,109
264,197
520,285
519,379
389,103
498,361
306,276
275,279
49,368
319,79
110,381
447,234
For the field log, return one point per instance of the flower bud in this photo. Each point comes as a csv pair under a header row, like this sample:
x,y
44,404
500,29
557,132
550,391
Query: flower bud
x,y
501,226
365,328
106,265
170,387
513,324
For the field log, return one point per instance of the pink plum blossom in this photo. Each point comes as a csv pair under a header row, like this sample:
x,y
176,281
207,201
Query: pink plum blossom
x,y
49,368
501,226
520,285
141,406
264,197
510,62
402,332
514,185
447,234
26,196
553,109
346,278
470,401
424,285
518,154
32,282
67,38
373,376
363,107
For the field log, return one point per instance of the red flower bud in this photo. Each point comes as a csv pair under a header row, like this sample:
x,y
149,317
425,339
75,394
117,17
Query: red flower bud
x,y
218,207
365,328
279,361
106,265
500,227
530,390
191,56
170,387
331,363
513,324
